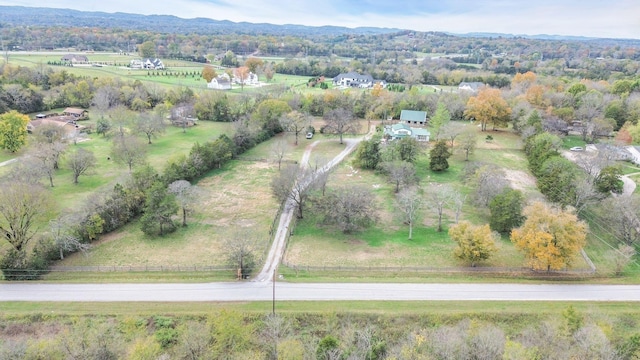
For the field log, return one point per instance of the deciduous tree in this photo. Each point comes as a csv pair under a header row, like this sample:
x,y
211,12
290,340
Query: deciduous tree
x,y
160,206
292,183
128,150
341,121
410,203
13,130
80,161
295,122
368,154
475,243
22,205
506,210
488,108
350,208
439,119
150,124
208,73
468,142
241,250
438,197
399,173
186,196
550,237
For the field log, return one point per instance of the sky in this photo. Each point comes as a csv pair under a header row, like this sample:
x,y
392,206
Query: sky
x,y
592,18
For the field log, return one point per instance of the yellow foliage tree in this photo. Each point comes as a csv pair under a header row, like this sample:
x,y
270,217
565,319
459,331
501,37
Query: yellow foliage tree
x,y
488,107
208,73
550,237
475,243
527,79
13,130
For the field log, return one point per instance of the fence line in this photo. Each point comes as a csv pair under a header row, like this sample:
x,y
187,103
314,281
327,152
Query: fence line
x,y
444,270
159,268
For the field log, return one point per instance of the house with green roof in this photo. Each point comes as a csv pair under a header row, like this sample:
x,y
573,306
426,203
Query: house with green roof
x,y
413,117
401,131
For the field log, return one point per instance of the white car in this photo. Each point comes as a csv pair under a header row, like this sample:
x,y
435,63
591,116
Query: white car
x,y
577,148
309,135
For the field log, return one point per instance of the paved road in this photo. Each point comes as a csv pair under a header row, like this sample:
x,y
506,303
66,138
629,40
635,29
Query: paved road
x,y
262,291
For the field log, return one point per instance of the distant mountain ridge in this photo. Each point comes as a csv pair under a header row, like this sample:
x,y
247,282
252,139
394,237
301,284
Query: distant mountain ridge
x,y
30,16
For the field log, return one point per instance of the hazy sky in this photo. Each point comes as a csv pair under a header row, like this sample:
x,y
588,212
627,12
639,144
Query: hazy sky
x,y
597,18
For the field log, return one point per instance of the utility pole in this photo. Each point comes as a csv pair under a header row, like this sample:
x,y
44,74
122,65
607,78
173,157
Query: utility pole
x,y
273,303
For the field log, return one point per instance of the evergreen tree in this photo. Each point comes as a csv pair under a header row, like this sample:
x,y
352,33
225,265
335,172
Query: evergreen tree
x,y
439,155
160,207
506,211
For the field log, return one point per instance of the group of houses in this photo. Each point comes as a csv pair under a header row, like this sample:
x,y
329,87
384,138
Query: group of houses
x,y
225,81
354,79
68,121
148,64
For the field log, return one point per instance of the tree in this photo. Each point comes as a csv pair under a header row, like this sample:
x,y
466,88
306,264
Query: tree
x,y
556,180
46,156
22,206
438,156
80,161
590,108
279,150
242,74
13,130
120,117
399,172
268,113
229,59
103,126
367,155
409,203
65,238
253,64
408,149
438,197
608,181
241,250
622,215
186,196
128,150
621,257
451,131
506,210
295,122
341,121
488,107
439,119
468,142
150,124
208,73
292,183
475,243
550,237
147,49
350,208
160,206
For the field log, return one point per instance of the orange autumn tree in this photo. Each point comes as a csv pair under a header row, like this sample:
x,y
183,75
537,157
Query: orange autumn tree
x,y
550,237
208,73
488,108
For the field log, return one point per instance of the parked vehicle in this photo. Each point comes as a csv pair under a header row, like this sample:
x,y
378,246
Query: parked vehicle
x,y
577,148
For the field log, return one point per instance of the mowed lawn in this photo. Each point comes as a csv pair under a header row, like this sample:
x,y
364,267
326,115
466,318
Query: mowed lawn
x,y
386,244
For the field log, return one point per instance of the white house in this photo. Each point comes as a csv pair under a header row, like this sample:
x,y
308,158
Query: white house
x,y
473,87
402,130
250,79
221,82
152,64
353,79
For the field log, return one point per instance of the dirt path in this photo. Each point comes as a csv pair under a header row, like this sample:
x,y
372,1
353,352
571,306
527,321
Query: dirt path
x,y
279,242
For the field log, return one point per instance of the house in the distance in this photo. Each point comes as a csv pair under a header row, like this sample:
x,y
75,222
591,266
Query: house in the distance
x,y
74,59
473,87
75,113
221,82
402,130
353,79
413,117
151,64
249,78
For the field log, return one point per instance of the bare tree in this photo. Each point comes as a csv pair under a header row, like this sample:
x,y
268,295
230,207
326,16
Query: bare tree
x,y
241,252
399,173
457,201
186,196
105,98
468,142
451,131
120,117
150,124
584,194
622,214
278,151
128,150
45,156
438,197
275,329
591,108
194,341
295,122
350,208
410,203
80,162
621,257
64,237
341,121
489,181
292,183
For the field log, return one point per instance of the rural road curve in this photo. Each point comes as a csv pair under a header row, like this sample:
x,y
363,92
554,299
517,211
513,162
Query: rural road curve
x,y
262,291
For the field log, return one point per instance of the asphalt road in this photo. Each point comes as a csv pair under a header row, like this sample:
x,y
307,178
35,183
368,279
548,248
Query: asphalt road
x,y
263,291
